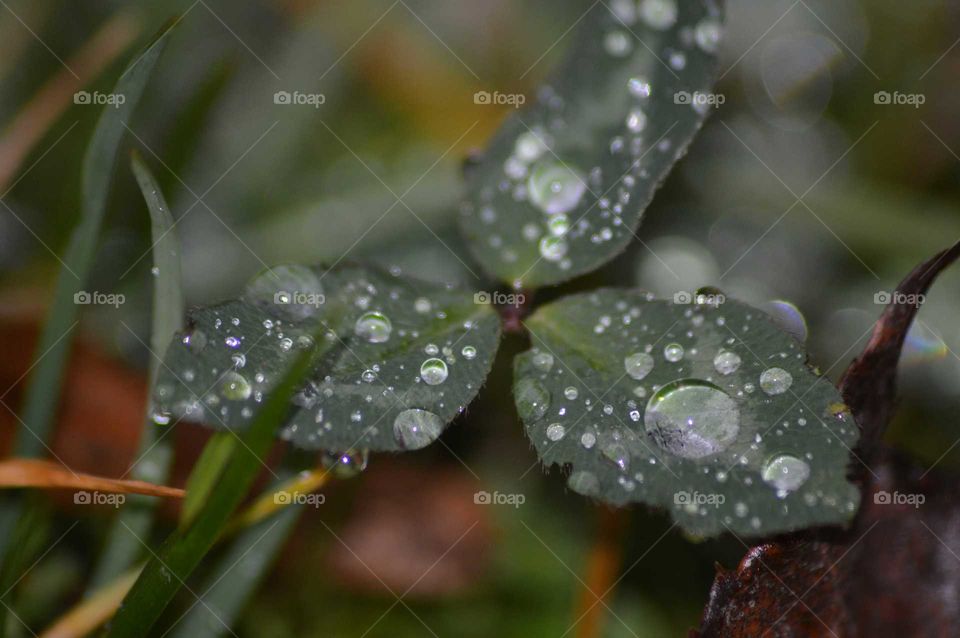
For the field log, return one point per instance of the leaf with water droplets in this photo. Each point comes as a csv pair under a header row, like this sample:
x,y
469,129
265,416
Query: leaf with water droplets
x,y
402,357
708,410
565,181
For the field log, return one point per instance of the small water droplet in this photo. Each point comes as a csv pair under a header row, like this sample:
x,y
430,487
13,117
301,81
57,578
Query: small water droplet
x,y
543,361
638,365
585,483
571,393
553,248
532,399
726,362
636,121
433,371
673,352
469,353
235,386
708,34
555,188
555,431
659,14
775,381
375,327
587,439
786,473
345,464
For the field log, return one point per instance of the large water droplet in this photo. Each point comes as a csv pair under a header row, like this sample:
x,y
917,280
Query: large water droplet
x,y
290,291
416,428
532,398
345,464
775,381
726,362
638,365
786,473
433,371
234,386
692,418
555,188
375,327
585,483
788,318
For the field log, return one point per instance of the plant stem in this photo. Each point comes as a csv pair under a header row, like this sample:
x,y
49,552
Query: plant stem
x,y
603,565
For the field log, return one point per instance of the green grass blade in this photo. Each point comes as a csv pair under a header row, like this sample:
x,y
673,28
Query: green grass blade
x,y
155,453
53,346
207,471
236,576
98,163
173,563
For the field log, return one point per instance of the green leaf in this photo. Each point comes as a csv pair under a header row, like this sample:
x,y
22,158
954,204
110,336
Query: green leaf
x,y
565,181
180,554
405,357
707,410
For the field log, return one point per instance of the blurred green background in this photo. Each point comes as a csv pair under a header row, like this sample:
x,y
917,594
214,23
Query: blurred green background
x,y
801,187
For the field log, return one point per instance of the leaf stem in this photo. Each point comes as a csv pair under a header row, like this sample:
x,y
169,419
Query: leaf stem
x,y
603,565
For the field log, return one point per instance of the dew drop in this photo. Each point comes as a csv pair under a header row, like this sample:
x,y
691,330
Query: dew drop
x,y
553,248
234,386
345,464
692,418
638,365
433,371
583,482
469,353
375,327
673,352
726,362
587,439
555,188
775,381
571,393
416,428
532,399
659,14
708,34
786,473
543,361
555,431
636,121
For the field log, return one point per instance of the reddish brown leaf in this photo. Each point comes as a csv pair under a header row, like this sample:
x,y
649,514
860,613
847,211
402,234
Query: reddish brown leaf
x,y
49,475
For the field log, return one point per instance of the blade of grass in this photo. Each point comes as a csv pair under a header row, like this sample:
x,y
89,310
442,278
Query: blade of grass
x,y
205,474
48,475
100,605
237,574
182,551
46,378
154,454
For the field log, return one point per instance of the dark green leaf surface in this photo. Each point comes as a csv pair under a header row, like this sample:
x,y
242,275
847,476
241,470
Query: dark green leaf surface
x,y
629,393
565,181
376,388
